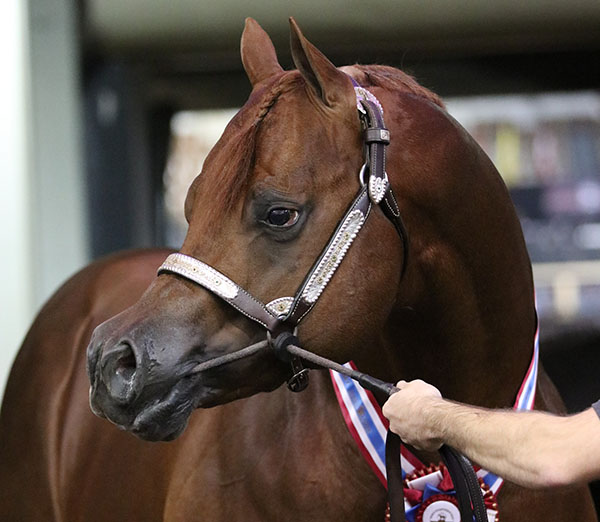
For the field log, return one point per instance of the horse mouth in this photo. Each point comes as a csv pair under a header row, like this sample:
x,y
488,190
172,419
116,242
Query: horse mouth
x,y
163,418
160,419
161,402
168,417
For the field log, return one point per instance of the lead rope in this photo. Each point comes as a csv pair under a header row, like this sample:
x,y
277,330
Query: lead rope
x,y
468,491
465,481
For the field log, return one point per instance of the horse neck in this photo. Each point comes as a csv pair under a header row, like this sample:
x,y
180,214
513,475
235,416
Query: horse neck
x,y
309,448
473,347
464,319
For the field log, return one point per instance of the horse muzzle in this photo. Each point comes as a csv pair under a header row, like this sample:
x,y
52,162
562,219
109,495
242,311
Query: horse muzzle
x,y
146,379
130,390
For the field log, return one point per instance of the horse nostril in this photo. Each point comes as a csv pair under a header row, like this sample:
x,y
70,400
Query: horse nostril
x,y
125,365
120,373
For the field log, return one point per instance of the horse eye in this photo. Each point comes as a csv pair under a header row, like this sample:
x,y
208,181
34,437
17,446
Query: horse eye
x,y
282,217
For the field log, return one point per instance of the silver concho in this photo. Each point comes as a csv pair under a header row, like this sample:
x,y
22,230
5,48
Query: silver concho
x,y
200,273
280,307
333,257
378,187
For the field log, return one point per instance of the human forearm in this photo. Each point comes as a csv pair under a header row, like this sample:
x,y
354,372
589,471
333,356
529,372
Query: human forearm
x,y
527,448
532,449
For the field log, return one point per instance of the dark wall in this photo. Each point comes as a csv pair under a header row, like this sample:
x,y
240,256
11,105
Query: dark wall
x,y
129,100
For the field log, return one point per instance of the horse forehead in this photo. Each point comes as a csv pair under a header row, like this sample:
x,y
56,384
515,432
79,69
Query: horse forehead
x,y
299,137
294,120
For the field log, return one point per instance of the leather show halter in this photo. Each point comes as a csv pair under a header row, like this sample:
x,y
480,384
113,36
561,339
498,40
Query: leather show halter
x,y
281,316
285,313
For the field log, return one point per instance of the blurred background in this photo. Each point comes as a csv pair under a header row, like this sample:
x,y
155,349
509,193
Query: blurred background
x,y
109,108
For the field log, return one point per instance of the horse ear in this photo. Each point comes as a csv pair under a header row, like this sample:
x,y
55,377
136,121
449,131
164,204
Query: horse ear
x,y
258,53
331,85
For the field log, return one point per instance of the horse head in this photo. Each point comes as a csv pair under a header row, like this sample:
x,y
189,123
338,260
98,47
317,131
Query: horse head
x,y
270,195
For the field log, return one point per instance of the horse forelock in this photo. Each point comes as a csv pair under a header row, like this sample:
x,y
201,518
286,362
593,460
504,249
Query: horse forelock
x,y
232,159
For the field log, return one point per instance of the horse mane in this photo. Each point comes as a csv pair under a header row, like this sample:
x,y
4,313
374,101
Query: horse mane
x,y
391,79
236,156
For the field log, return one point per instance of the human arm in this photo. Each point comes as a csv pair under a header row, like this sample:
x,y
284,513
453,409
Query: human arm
x,y
533,449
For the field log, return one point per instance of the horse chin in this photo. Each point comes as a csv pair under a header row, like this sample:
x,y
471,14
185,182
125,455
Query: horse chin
x,y
158,419
159,433
166,419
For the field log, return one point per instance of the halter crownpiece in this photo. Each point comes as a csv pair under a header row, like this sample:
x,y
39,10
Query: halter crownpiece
x,y
363,95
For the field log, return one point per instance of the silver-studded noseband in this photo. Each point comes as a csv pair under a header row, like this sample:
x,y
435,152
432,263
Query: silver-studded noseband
x,y
283,315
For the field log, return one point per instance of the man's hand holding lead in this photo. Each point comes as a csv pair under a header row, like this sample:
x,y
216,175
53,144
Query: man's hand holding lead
x,y
411,413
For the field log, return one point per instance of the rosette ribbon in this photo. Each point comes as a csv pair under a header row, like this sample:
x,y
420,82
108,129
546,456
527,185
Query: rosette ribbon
x,y
430,497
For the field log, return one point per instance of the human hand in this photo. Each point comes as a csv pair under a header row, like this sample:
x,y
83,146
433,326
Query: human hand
x,y
411,412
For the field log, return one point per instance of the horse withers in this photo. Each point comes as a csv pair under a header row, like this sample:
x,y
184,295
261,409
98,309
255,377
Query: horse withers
x,y
456,309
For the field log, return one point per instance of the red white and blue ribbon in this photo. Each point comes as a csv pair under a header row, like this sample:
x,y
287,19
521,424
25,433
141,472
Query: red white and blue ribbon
x,y
368,426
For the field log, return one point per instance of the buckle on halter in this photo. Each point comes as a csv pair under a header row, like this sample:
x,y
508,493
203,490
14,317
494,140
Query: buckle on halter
x,y
299,379
377,135
377,186
361,174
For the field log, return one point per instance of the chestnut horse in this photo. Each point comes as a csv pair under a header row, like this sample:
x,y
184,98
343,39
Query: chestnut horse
x,y
459,313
